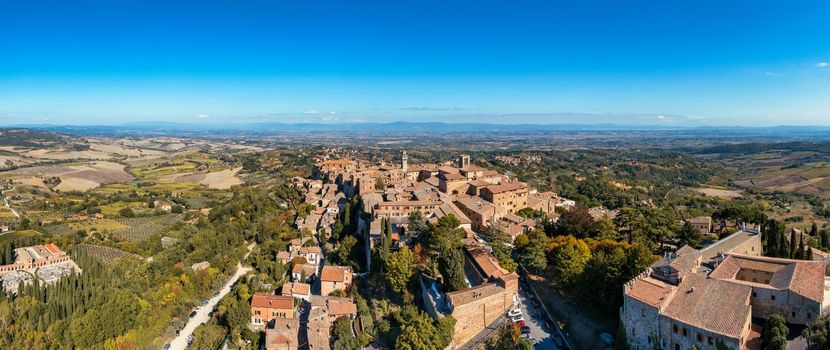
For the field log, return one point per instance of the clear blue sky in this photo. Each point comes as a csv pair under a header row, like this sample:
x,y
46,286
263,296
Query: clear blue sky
x,y
645,62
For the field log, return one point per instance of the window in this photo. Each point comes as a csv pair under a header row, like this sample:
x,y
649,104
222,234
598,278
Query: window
x,y
793,314
754,294
700,337
685,332
772,297
711,341
674,328
643,312
633,332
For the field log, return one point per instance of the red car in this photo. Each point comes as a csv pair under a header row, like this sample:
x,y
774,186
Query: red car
x,y
521,323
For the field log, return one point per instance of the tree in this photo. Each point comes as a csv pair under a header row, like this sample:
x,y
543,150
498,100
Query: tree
x,y
451,266
818,332
568,259
417,331
417,227
126,212
502,251
445,234
533,256
605,229
577,222
792,251
399,268
689,235
341,332
775,333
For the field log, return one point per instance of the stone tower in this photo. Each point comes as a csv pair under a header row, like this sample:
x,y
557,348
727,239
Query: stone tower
x,y
404,160
463,160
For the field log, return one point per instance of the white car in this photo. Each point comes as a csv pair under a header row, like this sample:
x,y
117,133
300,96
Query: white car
x,y
518,318
515,312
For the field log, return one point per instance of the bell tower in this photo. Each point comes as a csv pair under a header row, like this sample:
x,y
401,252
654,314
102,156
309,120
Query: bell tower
x,y
404,160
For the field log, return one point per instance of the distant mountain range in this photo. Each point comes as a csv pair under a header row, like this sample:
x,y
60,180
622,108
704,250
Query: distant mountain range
x,y
166,128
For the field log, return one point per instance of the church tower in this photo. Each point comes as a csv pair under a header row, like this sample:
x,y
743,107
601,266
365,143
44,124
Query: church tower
x,y
403,160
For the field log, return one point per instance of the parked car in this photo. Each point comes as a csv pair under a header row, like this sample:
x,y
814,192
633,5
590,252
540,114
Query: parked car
x,y
557,340
166,346
518,318
521,323
192,314
548,326
515,312
204,303
525,330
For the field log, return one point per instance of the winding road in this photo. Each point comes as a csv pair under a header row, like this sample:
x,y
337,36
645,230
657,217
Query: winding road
x,y
180,342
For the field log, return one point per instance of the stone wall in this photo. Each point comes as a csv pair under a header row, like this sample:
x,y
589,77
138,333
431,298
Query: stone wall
x,y
471,318
678,335
795,308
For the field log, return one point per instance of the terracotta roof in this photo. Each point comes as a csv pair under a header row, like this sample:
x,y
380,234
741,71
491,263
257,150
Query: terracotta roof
x,y
484,260
651,291
341,307
805,278
53,248
308,268
726,245
296,288
472,167
465,296
453,177
285,332
265,300
309,250
685,261
448,169
333,273
714,305
510,186
409,203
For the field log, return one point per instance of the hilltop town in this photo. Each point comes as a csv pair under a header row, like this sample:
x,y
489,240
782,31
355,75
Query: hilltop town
x,y
200,243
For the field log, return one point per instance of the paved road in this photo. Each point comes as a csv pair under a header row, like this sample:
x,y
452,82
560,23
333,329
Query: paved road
x,y
536,323
201,317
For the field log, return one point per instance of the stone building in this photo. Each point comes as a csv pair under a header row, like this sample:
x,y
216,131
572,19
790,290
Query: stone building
x,y
791,288
267,307
710,296
512,196
26,258
335,278
284,335
698,311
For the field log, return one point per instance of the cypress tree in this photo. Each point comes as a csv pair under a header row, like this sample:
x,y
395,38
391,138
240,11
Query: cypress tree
x,y
800,253
791,253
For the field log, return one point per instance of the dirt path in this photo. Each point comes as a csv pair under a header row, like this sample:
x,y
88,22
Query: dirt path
x,y
582,326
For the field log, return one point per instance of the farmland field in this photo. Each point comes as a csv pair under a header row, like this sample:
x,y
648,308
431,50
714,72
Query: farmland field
x,y
105,255
141,228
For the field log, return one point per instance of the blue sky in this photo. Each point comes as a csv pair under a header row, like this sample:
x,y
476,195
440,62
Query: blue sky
x,y
751,63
